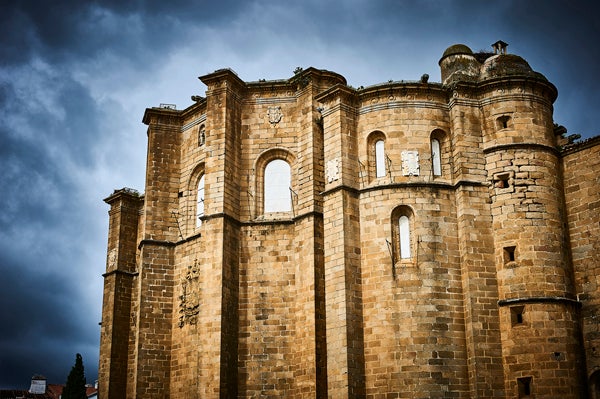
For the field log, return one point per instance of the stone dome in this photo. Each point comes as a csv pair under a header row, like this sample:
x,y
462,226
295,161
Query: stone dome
x,y
456,49
505,65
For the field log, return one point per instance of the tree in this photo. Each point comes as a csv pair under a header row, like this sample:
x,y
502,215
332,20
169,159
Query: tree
x,y
75,388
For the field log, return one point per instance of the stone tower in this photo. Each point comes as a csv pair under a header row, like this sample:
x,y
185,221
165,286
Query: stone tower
x,y
301,238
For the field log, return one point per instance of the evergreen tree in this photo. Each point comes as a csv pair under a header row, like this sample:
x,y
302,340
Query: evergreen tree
x,y
75,388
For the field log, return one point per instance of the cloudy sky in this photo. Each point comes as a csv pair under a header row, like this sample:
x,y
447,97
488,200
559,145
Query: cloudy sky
x,y
76,76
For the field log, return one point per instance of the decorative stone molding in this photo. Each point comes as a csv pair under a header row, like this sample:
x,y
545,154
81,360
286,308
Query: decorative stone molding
x,y
189,305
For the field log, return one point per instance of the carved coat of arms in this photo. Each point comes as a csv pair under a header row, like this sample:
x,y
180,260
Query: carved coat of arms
x,y
189,305
410,163
275,115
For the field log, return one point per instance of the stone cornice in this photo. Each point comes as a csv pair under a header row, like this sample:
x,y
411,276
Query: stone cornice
x,y
404,185
539,299
197,121
403,91
534,82
341,187
122,272
156,115
158,243
341,106
582,145
270,100
302,78
336,91
521,146
268,87
402,104
221,76
126,194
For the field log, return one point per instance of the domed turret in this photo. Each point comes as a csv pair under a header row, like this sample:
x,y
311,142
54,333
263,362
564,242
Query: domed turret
x,y
501,64
456,49
458,64
505,65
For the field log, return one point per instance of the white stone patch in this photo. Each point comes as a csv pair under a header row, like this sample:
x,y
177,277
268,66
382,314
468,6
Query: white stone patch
x,y
333,170
410,163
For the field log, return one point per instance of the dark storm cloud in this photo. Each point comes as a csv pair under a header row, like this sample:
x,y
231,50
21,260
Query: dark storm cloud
x,y
40,139
44,134
62,30
41,325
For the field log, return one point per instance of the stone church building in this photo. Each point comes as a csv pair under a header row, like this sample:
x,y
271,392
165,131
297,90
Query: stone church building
x,y
302,238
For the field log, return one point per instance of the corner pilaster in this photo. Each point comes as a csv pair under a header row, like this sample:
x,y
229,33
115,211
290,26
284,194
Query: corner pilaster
x,y
121,271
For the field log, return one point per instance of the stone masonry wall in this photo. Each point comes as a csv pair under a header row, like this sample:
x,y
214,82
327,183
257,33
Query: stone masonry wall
x,y
581,171
475,238
413,308
154,289
267,303
342,275
538,311
118,292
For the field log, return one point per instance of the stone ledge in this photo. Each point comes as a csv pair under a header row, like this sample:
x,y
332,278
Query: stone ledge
x,y
539,299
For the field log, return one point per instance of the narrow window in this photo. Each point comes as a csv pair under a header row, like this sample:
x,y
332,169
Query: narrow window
x,y
516,315
436,157
509,254
524,387
502,180
277,183
200,202
503,122
404,237
379,158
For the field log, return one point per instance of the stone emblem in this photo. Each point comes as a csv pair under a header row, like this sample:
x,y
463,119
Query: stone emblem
x,y
112,258
275,115
333,170
189,305
410,163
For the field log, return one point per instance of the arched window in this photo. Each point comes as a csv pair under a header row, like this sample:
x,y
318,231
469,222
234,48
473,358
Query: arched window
x,y
379,158
440,153
200,202
404,237
402,233
277,183
436,157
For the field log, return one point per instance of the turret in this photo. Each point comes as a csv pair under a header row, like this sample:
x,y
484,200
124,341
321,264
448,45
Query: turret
x,y
458,64
537,305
